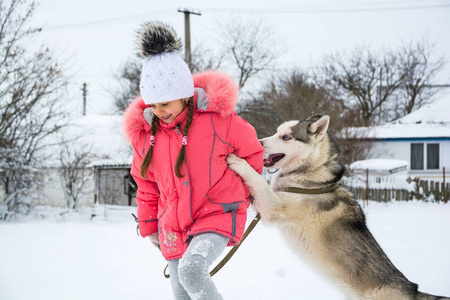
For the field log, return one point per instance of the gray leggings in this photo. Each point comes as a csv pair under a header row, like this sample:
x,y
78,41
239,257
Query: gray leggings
x,y
189,275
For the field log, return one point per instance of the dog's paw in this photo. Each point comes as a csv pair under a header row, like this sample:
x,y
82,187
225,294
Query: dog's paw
x,y
233,159
236,164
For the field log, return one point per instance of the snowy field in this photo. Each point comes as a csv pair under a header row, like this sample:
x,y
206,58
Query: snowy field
x,y
73,258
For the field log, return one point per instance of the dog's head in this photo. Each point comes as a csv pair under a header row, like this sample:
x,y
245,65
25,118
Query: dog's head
x,y
295,142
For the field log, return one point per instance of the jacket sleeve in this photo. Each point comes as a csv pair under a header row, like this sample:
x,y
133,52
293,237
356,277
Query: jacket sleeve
x,y
242,136
147,197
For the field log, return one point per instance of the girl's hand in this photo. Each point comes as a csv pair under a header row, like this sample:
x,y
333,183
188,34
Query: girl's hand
x,y
154,238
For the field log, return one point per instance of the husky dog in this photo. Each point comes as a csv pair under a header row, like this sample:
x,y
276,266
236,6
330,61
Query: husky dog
x,y
319,219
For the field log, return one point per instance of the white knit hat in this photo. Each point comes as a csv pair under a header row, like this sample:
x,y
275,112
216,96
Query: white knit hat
x,y
165,76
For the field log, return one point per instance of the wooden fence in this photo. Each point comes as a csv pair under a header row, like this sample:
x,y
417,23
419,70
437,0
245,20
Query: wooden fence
x,y
425,190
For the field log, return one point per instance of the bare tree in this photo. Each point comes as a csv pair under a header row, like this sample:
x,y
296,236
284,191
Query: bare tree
x,y
355,144
31,88
366,80
382,87
203,59
126,88
290,96
416,62
249,45
75,171
295,96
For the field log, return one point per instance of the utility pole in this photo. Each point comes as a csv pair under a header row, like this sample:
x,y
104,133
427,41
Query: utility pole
x,y
84,89
187,34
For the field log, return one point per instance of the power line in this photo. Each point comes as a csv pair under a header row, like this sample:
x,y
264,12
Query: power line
x,y
307,10
370,3
290,10
107,21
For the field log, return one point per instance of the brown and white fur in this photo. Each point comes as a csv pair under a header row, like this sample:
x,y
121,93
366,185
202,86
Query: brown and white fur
x,y
327,230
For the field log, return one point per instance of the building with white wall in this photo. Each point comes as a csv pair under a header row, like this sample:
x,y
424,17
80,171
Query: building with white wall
x,y
421,138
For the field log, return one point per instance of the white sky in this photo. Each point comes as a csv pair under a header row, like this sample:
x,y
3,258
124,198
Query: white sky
x,y
308,29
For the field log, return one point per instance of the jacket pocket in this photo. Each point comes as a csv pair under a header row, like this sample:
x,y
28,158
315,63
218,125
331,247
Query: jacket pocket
x,y
231,208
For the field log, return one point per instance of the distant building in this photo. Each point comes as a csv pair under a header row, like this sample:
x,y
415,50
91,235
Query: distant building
x,y
421,138
109,181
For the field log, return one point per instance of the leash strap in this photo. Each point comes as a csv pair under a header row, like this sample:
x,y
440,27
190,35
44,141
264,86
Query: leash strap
x,y
324,190
165,270
232,251
235,248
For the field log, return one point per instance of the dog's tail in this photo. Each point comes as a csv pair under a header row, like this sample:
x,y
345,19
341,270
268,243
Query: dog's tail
x,y
423,296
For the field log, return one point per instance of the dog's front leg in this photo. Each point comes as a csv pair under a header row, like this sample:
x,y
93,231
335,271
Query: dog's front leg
x,y
267,203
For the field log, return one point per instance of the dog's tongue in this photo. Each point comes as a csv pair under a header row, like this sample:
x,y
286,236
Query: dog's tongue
x,y
272,159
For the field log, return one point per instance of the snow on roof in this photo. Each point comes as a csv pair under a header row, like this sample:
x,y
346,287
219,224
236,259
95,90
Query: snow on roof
x,y
391,131
436,112
430,121
380,165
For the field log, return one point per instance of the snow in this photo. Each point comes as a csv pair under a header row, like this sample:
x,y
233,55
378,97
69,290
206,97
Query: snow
x,y
431,120
436,112
392,131
379,164
202,248
381,182
71,257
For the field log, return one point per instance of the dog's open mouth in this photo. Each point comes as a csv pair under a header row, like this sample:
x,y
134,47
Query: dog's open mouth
x,y
272,159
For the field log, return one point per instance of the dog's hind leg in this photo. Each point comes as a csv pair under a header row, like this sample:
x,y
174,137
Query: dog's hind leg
x,y
267,203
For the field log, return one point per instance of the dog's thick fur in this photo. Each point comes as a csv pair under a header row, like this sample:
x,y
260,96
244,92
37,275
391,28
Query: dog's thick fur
x,y
328,229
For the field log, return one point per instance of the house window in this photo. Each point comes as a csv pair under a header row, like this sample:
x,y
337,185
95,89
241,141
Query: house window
x,y
416,156
432,156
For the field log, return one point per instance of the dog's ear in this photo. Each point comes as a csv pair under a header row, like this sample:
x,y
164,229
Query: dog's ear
x,y
319,128
314,118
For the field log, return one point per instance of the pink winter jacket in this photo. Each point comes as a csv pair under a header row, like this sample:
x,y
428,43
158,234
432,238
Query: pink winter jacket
x,y
210,197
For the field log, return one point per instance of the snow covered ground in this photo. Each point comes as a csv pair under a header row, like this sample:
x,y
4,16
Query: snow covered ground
x,y
73,258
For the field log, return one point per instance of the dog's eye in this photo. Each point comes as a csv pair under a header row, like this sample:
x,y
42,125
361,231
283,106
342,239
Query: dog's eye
x,y
286,138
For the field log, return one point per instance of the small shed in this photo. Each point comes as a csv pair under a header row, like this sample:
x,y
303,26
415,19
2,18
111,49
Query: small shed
x,y
114,185
378,174
380,167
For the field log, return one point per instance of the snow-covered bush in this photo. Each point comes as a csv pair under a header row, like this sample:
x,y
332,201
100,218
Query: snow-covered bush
x,y
21,182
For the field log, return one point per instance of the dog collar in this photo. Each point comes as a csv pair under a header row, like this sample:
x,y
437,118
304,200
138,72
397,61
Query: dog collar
x,y
324,190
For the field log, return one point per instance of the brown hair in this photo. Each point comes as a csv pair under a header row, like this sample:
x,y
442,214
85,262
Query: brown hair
x,y
181,155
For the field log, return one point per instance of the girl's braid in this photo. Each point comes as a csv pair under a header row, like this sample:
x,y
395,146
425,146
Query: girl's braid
x,y
148,157
182,154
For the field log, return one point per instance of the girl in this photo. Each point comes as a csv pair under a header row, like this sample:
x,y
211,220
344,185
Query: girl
x,y
182,128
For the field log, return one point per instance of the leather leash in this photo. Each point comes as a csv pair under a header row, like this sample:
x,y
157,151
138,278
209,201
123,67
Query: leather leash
x,y
231,252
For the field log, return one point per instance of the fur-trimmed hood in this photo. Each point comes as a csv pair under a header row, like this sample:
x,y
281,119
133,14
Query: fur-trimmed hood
x,y
215,92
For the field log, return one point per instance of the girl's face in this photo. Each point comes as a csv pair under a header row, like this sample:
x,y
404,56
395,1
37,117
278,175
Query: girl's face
x,y
168,111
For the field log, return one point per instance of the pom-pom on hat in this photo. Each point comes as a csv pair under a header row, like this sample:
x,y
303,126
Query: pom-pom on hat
x,y
165,76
